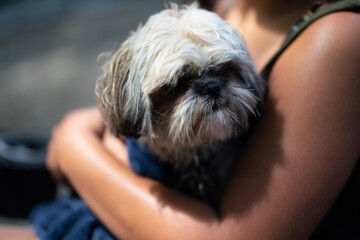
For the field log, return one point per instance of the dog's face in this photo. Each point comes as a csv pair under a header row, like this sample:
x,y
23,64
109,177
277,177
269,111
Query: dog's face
x,y
184,79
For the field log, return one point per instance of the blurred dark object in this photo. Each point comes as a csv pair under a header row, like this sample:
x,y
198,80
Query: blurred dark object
x,y
24,180
206,4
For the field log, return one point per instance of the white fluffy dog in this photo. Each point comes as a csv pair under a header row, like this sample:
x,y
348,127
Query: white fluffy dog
x,y
183,84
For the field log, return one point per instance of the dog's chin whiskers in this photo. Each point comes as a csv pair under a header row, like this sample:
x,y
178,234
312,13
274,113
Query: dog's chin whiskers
x,y
217,126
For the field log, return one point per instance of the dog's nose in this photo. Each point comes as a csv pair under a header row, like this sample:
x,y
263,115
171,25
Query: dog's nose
x,y
212,88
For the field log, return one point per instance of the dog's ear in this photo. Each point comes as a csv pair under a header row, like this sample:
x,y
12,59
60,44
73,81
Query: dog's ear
x,y
115,95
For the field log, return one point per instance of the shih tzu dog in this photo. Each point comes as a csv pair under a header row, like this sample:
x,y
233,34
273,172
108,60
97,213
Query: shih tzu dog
x,y
185,87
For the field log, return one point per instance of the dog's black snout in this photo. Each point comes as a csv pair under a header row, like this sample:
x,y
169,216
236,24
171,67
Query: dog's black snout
x,y
205,87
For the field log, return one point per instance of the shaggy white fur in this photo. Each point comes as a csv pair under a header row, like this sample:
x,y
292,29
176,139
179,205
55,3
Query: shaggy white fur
x,y
177,49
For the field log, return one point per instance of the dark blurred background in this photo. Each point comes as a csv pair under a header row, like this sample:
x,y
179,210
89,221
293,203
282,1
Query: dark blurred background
x,y
49,51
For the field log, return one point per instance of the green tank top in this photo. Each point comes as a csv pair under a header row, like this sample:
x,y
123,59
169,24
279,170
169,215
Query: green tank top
x,y
343,219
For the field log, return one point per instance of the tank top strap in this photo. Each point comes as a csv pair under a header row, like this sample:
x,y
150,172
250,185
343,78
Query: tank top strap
x,y
296,30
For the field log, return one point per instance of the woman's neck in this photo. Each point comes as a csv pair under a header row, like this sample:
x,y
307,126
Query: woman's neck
x,y
273,6
277,15
264,24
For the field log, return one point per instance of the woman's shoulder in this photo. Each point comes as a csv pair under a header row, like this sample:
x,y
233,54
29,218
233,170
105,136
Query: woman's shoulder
x,y
338,28
317,79
329,45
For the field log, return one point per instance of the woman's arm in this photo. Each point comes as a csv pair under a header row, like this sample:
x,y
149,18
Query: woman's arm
x,y
292,168
308,140
131,206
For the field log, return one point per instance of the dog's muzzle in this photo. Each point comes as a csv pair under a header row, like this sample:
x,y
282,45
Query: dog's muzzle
x,y
211,90
209,87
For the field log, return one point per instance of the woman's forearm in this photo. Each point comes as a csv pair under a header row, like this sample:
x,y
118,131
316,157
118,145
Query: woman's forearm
x,y
132,207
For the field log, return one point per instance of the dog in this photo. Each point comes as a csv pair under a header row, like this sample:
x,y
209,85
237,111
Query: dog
x,y
185,86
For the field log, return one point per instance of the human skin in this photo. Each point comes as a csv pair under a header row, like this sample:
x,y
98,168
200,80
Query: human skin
x,y
295,163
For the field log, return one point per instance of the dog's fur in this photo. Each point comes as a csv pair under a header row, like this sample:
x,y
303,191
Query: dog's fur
x,y
181,82
155,85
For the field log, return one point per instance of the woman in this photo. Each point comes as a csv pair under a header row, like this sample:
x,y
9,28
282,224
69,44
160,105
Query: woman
x,y
293,167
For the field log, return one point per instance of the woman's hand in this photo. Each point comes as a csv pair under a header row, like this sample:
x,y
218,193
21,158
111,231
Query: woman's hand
x,y
74,125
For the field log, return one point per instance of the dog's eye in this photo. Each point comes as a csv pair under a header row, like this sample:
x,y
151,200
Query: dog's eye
x,y
231,73
183,83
